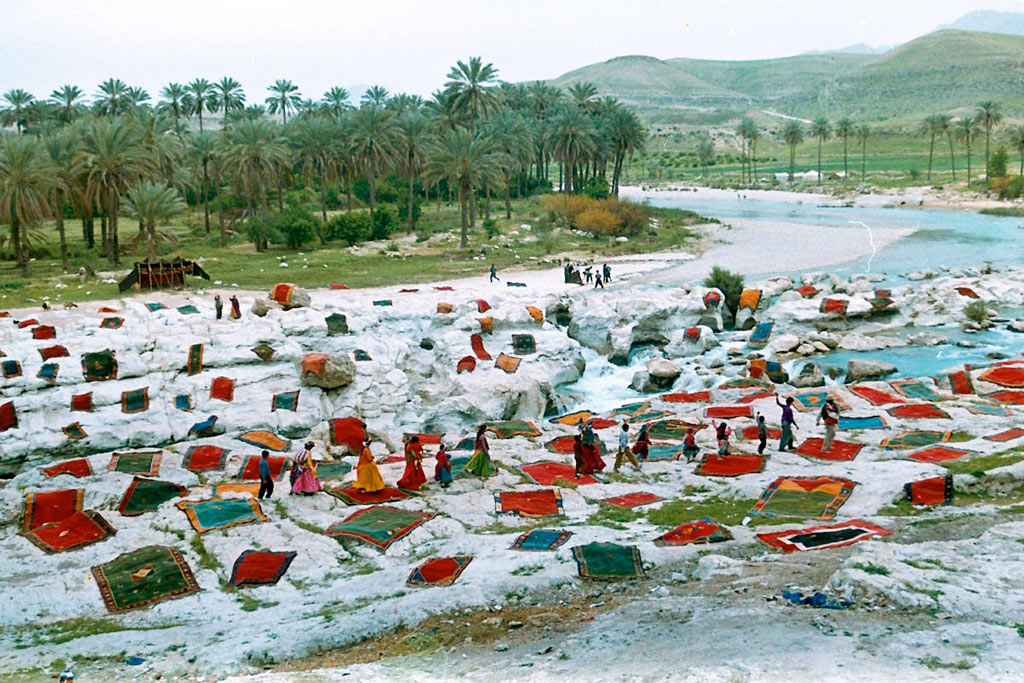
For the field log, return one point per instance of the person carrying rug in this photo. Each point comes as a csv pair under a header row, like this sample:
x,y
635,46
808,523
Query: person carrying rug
x,y
368,479
788,423
236,308
480,464
443,468
690,449
591,455
266,481
304,472
642,447
413,477
624,452
722,433
830,416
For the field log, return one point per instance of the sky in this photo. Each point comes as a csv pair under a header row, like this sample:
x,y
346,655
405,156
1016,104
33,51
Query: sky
x,y
409,45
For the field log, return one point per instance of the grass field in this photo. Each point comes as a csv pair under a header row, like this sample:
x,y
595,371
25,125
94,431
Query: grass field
x,y
429,254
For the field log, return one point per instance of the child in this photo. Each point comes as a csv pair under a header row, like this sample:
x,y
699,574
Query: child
x,y
762,435
690,449
266,481
443,469
722,433
624,452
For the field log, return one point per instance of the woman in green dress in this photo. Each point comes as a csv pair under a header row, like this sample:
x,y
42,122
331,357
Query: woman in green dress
x,y
480,464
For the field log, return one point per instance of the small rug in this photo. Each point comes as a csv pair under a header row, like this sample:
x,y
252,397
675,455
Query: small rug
x,y
230,487
535,313
349,432
524,344
672,429
44,332
99,366
916,389
818,497
73,431
541,539
477,342
147,495
260,568
1011,376
565,444
361,355
919,411
704,530
206,427
1008,396
608,561
482,306
683,397
285,401
188,309
759,337
153,306
632,500
867,422
203,458
466,364
822,537
265,439
51,352
82,402
264,351
380,526
183,402
714,465
812,401
548,473
350,495
337,323
630,409
841,451
1008,435
74,531
47,507
935,454
145,464
915,439
78,467
529,503
250,470
510,364
750,433
223,389
508,429
144,577
48,372
135,401
440,571
194,364
206,515
728,412
931,491
10,368
987,409
757,396
960,382
967,292
328,471
112,323
837,306
875,397
572,419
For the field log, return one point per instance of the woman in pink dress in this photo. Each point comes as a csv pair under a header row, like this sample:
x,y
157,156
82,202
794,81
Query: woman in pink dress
x,y
304,470
413,477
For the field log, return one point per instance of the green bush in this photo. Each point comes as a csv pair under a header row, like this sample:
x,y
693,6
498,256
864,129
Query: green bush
x,y
730,283
1013,189
294,227
491,228
596,188
350,228
977,311
997,163
385,221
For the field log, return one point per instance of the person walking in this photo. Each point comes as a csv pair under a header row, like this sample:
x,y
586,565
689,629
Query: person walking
x,y
788,423
642,447
762,435
829,414
591,454
690,449
368,479
624,452
413,477
598,282
218,305
480,464
577,454
607,272
266,481
494,273
722,433
236,308
304,469
588,275
443,468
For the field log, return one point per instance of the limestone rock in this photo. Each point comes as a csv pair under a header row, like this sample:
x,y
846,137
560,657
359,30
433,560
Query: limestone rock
x,y
662,368
1016,326
858,370
784,343
810,376
339,371
717,565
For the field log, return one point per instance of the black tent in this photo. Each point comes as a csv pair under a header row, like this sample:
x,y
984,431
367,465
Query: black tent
x,y
161,274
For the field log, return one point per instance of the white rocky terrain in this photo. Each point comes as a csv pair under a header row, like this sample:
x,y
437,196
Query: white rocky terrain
x,y
939,597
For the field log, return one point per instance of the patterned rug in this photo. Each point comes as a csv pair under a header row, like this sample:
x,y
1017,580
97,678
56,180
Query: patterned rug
x,y
683,397
350,495
823,537
145,464
916,389
915,439
811,401
508,429
206,515
47,507
987,409
936,454
205,458
547,473
82,402
875,397
510,364
523,344
529,503
144,577
867,422
265,439
1008,396
219,490
250,470
78,467
329,471
840,451
260,568
672,429
380,526
135,401
74,531
931,491
704,530
99,366
222,389
714,465
477,344
632,500
541,539
1008,435
750,433
919,411
728,412
440,571
572,419
818,497
147,495
288,400
194,363
664,451
608,561
1011,376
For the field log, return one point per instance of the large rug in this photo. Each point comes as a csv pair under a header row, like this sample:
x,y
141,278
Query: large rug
x,y
608,561
1009,396
672,429
728,412
1008,435
875,397
817,497
207,515
936,454
47,507
439,571
840,451
916,389
349,432
632,500
145,464
260,567
147,495
704,530
250,470
144,577
506,429
823,537
74,531
915,439
931,491
541,539
529,503
205,458
864,422
714,465
1011,376
380,526
77,467
99,366
350,495
684,397
811,401
919,411
264,439
547,473
992,409
664,451
330,471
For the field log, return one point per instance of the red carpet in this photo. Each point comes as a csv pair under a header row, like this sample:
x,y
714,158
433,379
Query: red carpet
x,y
715,465
1006,376
200,458
350,495
47,507
467,364
1008,435
440,571
561,444
875,397
938,454
933,491
223,388
919,411
632,500
477,342
726,412
967,292
840,451
546,473
704,530
1014,397
482,306
79,467
529,503
349,432
823,537
74,531
251,468
750,398
259,568
683,397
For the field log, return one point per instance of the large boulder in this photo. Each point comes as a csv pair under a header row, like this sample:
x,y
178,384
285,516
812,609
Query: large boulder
x,y
289,296
861,370
810,376
663,369
335,371
784,343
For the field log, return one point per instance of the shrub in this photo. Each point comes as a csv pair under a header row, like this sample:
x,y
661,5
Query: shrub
x,y
350,228
596,188
385,221
730,283
1013,189
599,221
295,227
599,216
491,228
634,217
977,311
997,163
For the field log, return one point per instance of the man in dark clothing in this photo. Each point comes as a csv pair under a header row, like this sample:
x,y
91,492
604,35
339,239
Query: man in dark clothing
x,y
494,273
607,273
788,423
597,281
266,481
218,305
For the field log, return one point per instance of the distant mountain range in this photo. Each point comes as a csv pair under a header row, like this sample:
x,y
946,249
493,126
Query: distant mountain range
x,y
943,71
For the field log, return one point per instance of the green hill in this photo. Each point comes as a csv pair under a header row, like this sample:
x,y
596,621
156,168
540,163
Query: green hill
x,y
941,71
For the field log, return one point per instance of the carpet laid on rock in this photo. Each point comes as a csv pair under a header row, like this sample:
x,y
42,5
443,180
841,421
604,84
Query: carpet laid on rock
x,y
144,577
608,561
250,470
260,567
714,465
541,539
703,530
936,454
803,497
147,495
547,502
839,451
205,458
439,571
380,526
47,507
823,537
207,515
547,473
77,467
930,491
350,495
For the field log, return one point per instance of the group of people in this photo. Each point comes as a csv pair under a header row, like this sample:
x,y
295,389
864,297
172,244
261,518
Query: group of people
x,y
302,476
218,307
586,274
827,415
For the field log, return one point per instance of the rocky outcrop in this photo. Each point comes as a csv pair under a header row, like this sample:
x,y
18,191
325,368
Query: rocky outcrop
x,y
858,370
337,371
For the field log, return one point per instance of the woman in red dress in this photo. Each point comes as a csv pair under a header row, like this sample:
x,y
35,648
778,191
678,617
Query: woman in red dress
x,y
413,477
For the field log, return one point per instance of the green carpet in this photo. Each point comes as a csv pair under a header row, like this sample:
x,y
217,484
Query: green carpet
x,y
608,561
147,495
144,577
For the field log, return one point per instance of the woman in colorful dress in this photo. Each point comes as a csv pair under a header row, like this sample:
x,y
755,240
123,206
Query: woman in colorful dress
x,y
591,453
642,447
236,308
480,464
443,468
368,479
413,477
305,472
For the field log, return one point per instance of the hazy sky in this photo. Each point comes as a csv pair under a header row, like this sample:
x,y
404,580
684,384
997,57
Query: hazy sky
x,y
408,45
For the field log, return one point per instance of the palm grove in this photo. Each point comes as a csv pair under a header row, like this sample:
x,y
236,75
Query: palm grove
x,y
263,167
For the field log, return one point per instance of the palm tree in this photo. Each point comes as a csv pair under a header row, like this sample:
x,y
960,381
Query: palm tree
x,y
254,156
67,98
863,133
932,127
284,97
114,157
26,177
471,87
844,129
988,117
465,160
151,202
316,141
412,138
510,135
202,97
376,96
820,129
62,148
572,138
627,137
583,94
111,99
373,139
793,135
176,101
744,131
136,97
706,154
1017,140
17,101
229,96
203,148
966,129
336,101
944,123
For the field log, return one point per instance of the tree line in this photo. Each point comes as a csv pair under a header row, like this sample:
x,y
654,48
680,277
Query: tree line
x,y
96,159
